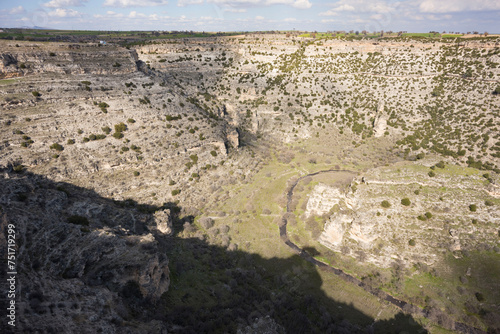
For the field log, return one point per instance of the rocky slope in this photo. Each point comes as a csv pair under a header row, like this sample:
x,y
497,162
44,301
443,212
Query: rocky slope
x,y
371,217
84,261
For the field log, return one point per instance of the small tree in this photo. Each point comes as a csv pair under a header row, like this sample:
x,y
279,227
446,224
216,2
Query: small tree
x,y
406,201
473,207
57,147
386,204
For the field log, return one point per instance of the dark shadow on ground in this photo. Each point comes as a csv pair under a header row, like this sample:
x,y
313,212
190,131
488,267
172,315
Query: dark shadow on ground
x,y
212,290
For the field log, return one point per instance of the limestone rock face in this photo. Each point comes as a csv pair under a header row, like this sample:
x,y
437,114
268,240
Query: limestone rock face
x,y
322,199
233,138
380,123
163,221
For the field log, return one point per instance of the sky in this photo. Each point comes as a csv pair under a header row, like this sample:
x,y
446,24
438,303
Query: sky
x,y
254,15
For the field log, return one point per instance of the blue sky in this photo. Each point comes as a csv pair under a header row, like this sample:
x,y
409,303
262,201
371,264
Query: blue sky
x,y
243,15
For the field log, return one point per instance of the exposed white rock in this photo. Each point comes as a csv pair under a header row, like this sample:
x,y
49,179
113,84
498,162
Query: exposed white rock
x,y
322,199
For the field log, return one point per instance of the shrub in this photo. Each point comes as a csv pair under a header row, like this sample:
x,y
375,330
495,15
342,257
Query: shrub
x,y
194,157
206,222
171,183
70,141
473,207
412,242
422,217
213,153
57,147
125,149
106,130
92,137
136,173
118,135
131,120
18,168
386,204
78,220
428,215
440,164
406,201
86,83
488,203
176,192
431,173
120,127
117,64
35,93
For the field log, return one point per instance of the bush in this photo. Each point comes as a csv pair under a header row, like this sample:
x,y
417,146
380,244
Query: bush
x,y
428,215
431,173
18,168
118,135
440,164
131,120
194,157
176,192
70,141
78,220
213,153
386,204
488,203
35,94
406,201
136,173
57,147
412,242
473,207
422,217
120,127
106,130
206,222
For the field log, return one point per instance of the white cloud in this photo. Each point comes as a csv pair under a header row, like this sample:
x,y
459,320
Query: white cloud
x,y
182,3
17,10
64,3
440,6
235,10
361,6
344,8
330,12
134,3
62,12
328,21
259,18
300,4
133,15
290,19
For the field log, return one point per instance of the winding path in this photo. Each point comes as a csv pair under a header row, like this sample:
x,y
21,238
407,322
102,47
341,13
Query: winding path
x,y
406,307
